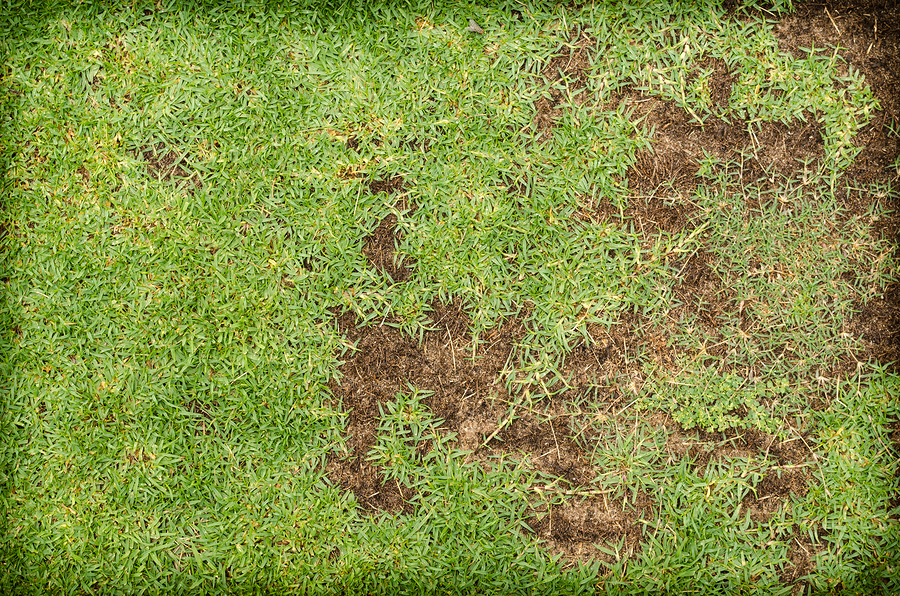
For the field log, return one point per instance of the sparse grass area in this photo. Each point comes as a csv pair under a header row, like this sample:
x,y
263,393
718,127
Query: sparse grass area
x,y
192,196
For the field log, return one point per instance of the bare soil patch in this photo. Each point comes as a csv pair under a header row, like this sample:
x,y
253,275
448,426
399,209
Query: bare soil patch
x,y
801,555
167,164
571,529
566,65
878,325
380,250
380,247
386,362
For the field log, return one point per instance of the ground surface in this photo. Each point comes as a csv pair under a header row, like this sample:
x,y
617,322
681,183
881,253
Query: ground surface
x,y
604,298
468,395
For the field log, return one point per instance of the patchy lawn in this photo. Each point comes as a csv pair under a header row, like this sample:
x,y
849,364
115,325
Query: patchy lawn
x,y
310,299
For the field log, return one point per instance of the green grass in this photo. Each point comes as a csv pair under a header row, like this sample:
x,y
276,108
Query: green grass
x,y
132,304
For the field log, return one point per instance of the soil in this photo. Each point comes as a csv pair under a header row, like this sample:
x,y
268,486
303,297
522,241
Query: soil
x,y
168,165
469,395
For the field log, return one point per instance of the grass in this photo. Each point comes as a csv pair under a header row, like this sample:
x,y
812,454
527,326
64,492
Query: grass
x,y
168,340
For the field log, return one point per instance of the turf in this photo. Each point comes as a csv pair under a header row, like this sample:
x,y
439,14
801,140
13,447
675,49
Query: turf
x,y
213,214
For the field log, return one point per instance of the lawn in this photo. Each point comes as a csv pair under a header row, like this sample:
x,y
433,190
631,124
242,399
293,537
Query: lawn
x,y
416,297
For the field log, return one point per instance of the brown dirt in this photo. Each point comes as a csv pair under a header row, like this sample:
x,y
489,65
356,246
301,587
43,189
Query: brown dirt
x,y
572,528
569,66
469,394
878,325
704,447
610,362
166,164
379,247
382,365
203,413
701,290
388,185
801,554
